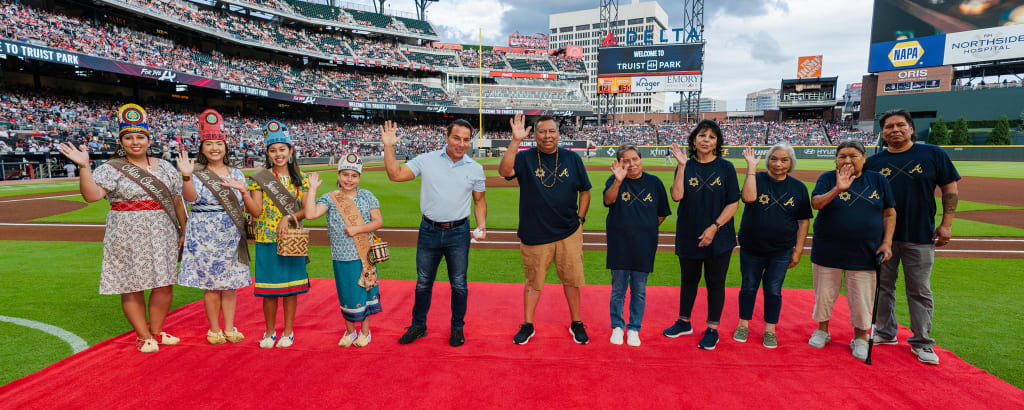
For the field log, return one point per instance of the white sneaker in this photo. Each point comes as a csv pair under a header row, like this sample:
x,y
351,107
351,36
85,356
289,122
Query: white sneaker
x,y
286,341
166,339
859,349
633,338
617,336
267,342
819,338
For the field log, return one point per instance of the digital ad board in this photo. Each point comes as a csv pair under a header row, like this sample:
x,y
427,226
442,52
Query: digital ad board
x,y
663,68
909,34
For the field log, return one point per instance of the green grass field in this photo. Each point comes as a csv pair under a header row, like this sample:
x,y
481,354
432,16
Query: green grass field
x,y
978,312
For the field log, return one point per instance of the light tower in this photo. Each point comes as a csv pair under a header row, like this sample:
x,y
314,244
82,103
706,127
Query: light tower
x,y
693,26
606,102
421,8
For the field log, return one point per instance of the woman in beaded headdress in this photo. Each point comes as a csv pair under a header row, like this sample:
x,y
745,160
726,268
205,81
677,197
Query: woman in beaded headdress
x,y
278,277
213,258
144,228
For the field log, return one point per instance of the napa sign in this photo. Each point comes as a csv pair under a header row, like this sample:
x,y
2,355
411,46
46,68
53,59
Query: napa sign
x,y
911,53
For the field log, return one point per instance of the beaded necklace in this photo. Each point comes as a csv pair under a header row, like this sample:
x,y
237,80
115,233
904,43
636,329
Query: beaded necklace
x,y
540,170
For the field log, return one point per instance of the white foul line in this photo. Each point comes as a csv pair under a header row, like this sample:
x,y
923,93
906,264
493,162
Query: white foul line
x,y
77,344
33,199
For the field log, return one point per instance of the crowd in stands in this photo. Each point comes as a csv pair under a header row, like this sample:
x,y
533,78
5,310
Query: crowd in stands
x,y
493,60
796,133
572,65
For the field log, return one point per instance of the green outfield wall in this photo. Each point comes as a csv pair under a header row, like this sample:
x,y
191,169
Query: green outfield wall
x,y
956,153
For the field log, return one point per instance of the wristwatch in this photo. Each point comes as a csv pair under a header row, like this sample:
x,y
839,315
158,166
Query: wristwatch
x,y
186,178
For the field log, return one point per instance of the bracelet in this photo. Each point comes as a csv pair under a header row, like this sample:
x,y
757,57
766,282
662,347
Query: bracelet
x,y
186,178
181,234
717,225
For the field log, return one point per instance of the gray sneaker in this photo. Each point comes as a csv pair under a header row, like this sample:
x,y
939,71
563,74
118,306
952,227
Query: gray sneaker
x,y
878,340
926,355
819,338
740,334
770,341
859,348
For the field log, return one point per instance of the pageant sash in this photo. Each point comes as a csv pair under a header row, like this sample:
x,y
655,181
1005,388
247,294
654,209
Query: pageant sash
x,y
350,213
277,192
151,184
229,202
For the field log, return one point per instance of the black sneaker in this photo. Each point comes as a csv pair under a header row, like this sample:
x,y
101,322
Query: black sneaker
x,y
579,333
411,334
457,338
679,328
524,334
709,340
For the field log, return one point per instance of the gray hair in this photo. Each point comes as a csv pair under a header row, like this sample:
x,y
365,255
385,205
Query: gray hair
x,y
626,147
784,146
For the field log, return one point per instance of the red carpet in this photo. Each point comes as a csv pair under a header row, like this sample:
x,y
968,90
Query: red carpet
x,y
489,371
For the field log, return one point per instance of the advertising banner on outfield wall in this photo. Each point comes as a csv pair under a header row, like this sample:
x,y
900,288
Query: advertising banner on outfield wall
x,y
100,64
997,43
915,81
802,152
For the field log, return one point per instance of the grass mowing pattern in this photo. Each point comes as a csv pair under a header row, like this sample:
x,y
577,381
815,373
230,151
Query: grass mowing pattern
x,y
979,316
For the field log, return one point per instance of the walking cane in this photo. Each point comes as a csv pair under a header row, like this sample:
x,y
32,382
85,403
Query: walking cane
x,y
874,306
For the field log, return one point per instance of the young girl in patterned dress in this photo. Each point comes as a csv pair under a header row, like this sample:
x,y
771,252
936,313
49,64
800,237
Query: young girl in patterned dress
x,y
210,258
278,277
357,302
140,246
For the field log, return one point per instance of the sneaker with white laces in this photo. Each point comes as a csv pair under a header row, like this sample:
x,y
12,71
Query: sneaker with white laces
x,y
926,355
878,340
286,341
633,338
267,342
233,335
819,338
859,348
740,334
348,338
617,336
362,340
166,339
147,345
216,338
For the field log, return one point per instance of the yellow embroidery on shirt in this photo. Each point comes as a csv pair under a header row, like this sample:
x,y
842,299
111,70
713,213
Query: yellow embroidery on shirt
x,y
539,173
886,172
693,181
717,181
626,196
648,198
763,199
790,202
917,169
565,173
874,195
844,196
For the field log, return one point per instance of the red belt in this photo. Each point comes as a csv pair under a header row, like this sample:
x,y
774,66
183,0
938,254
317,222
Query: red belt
x,y
135,206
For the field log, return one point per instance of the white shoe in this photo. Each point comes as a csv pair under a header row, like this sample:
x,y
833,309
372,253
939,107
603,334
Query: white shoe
x,y
267,342
286,341
362,340
166,339
347,340
633,338
617,336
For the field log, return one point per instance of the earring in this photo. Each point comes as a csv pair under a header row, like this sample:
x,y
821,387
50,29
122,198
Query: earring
x,y
291,160
120,152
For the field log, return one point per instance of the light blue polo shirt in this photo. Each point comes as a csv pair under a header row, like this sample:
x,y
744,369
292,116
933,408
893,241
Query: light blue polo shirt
x,y
446,188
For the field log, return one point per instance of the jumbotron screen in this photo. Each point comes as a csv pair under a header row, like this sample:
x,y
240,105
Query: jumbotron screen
x,y
661,68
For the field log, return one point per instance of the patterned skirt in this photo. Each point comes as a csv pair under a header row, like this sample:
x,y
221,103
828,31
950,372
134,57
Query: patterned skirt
x,y
357,303
210,257
279,275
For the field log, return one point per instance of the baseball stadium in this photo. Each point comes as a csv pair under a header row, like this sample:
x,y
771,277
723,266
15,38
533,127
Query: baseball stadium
x,y
361,90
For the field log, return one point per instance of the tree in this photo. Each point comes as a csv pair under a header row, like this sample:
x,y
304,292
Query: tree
x,y
1000,135
1022,121
939,134
960,135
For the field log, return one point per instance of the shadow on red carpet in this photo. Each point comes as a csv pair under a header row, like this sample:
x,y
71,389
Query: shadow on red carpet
x,y
490,371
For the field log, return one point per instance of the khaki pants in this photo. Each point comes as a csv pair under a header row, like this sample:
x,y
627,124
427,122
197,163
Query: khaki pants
x,y
860,293
567,255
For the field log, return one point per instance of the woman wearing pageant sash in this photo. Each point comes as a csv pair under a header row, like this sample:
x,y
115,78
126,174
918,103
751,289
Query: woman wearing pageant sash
x,y
215,257
143,230
278,276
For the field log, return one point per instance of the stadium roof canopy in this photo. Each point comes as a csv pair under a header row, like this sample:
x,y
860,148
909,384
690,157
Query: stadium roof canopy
x,y
809,80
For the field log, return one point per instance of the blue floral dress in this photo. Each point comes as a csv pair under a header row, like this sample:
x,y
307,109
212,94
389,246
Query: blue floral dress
x,y
210,258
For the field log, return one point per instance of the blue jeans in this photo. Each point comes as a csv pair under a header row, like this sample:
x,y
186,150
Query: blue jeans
x,y
772,270
432,244
637,283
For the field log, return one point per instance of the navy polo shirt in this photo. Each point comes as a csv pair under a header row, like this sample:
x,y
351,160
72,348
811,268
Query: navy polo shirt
x,y
769,224
913,175
632,222
709,188
849,230
549,194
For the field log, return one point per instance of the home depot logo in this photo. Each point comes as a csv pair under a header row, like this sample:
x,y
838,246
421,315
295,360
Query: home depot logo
x,y
906,54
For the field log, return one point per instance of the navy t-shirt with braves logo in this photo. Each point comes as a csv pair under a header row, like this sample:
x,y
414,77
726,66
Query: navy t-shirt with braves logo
x,y
632,222
849,230
709,188
549,194
913,175
769,224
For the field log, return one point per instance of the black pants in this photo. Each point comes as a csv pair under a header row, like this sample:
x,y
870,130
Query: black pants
x,y
715,269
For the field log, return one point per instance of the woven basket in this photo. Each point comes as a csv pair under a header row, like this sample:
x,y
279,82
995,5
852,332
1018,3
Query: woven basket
x,y
250,228
294,242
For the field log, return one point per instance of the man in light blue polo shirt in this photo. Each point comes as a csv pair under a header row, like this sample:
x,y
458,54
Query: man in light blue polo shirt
x,y
452,181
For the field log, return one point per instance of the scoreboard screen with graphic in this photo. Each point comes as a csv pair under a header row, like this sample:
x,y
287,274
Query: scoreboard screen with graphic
x,y
910,34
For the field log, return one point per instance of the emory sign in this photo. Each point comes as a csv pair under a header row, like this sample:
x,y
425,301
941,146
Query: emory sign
x,y
538,40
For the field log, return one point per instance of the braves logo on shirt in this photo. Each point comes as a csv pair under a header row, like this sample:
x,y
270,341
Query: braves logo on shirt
x,y
851,197
644,198
769,200
710,182
909,169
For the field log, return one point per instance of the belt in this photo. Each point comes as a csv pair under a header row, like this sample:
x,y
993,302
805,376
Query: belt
x,y
207,208
447,225
135,206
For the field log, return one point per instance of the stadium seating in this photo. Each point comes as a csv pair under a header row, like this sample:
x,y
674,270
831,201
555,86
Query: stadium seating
x,y
316,10
423,94
437,60
417,26
367,18
529,64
